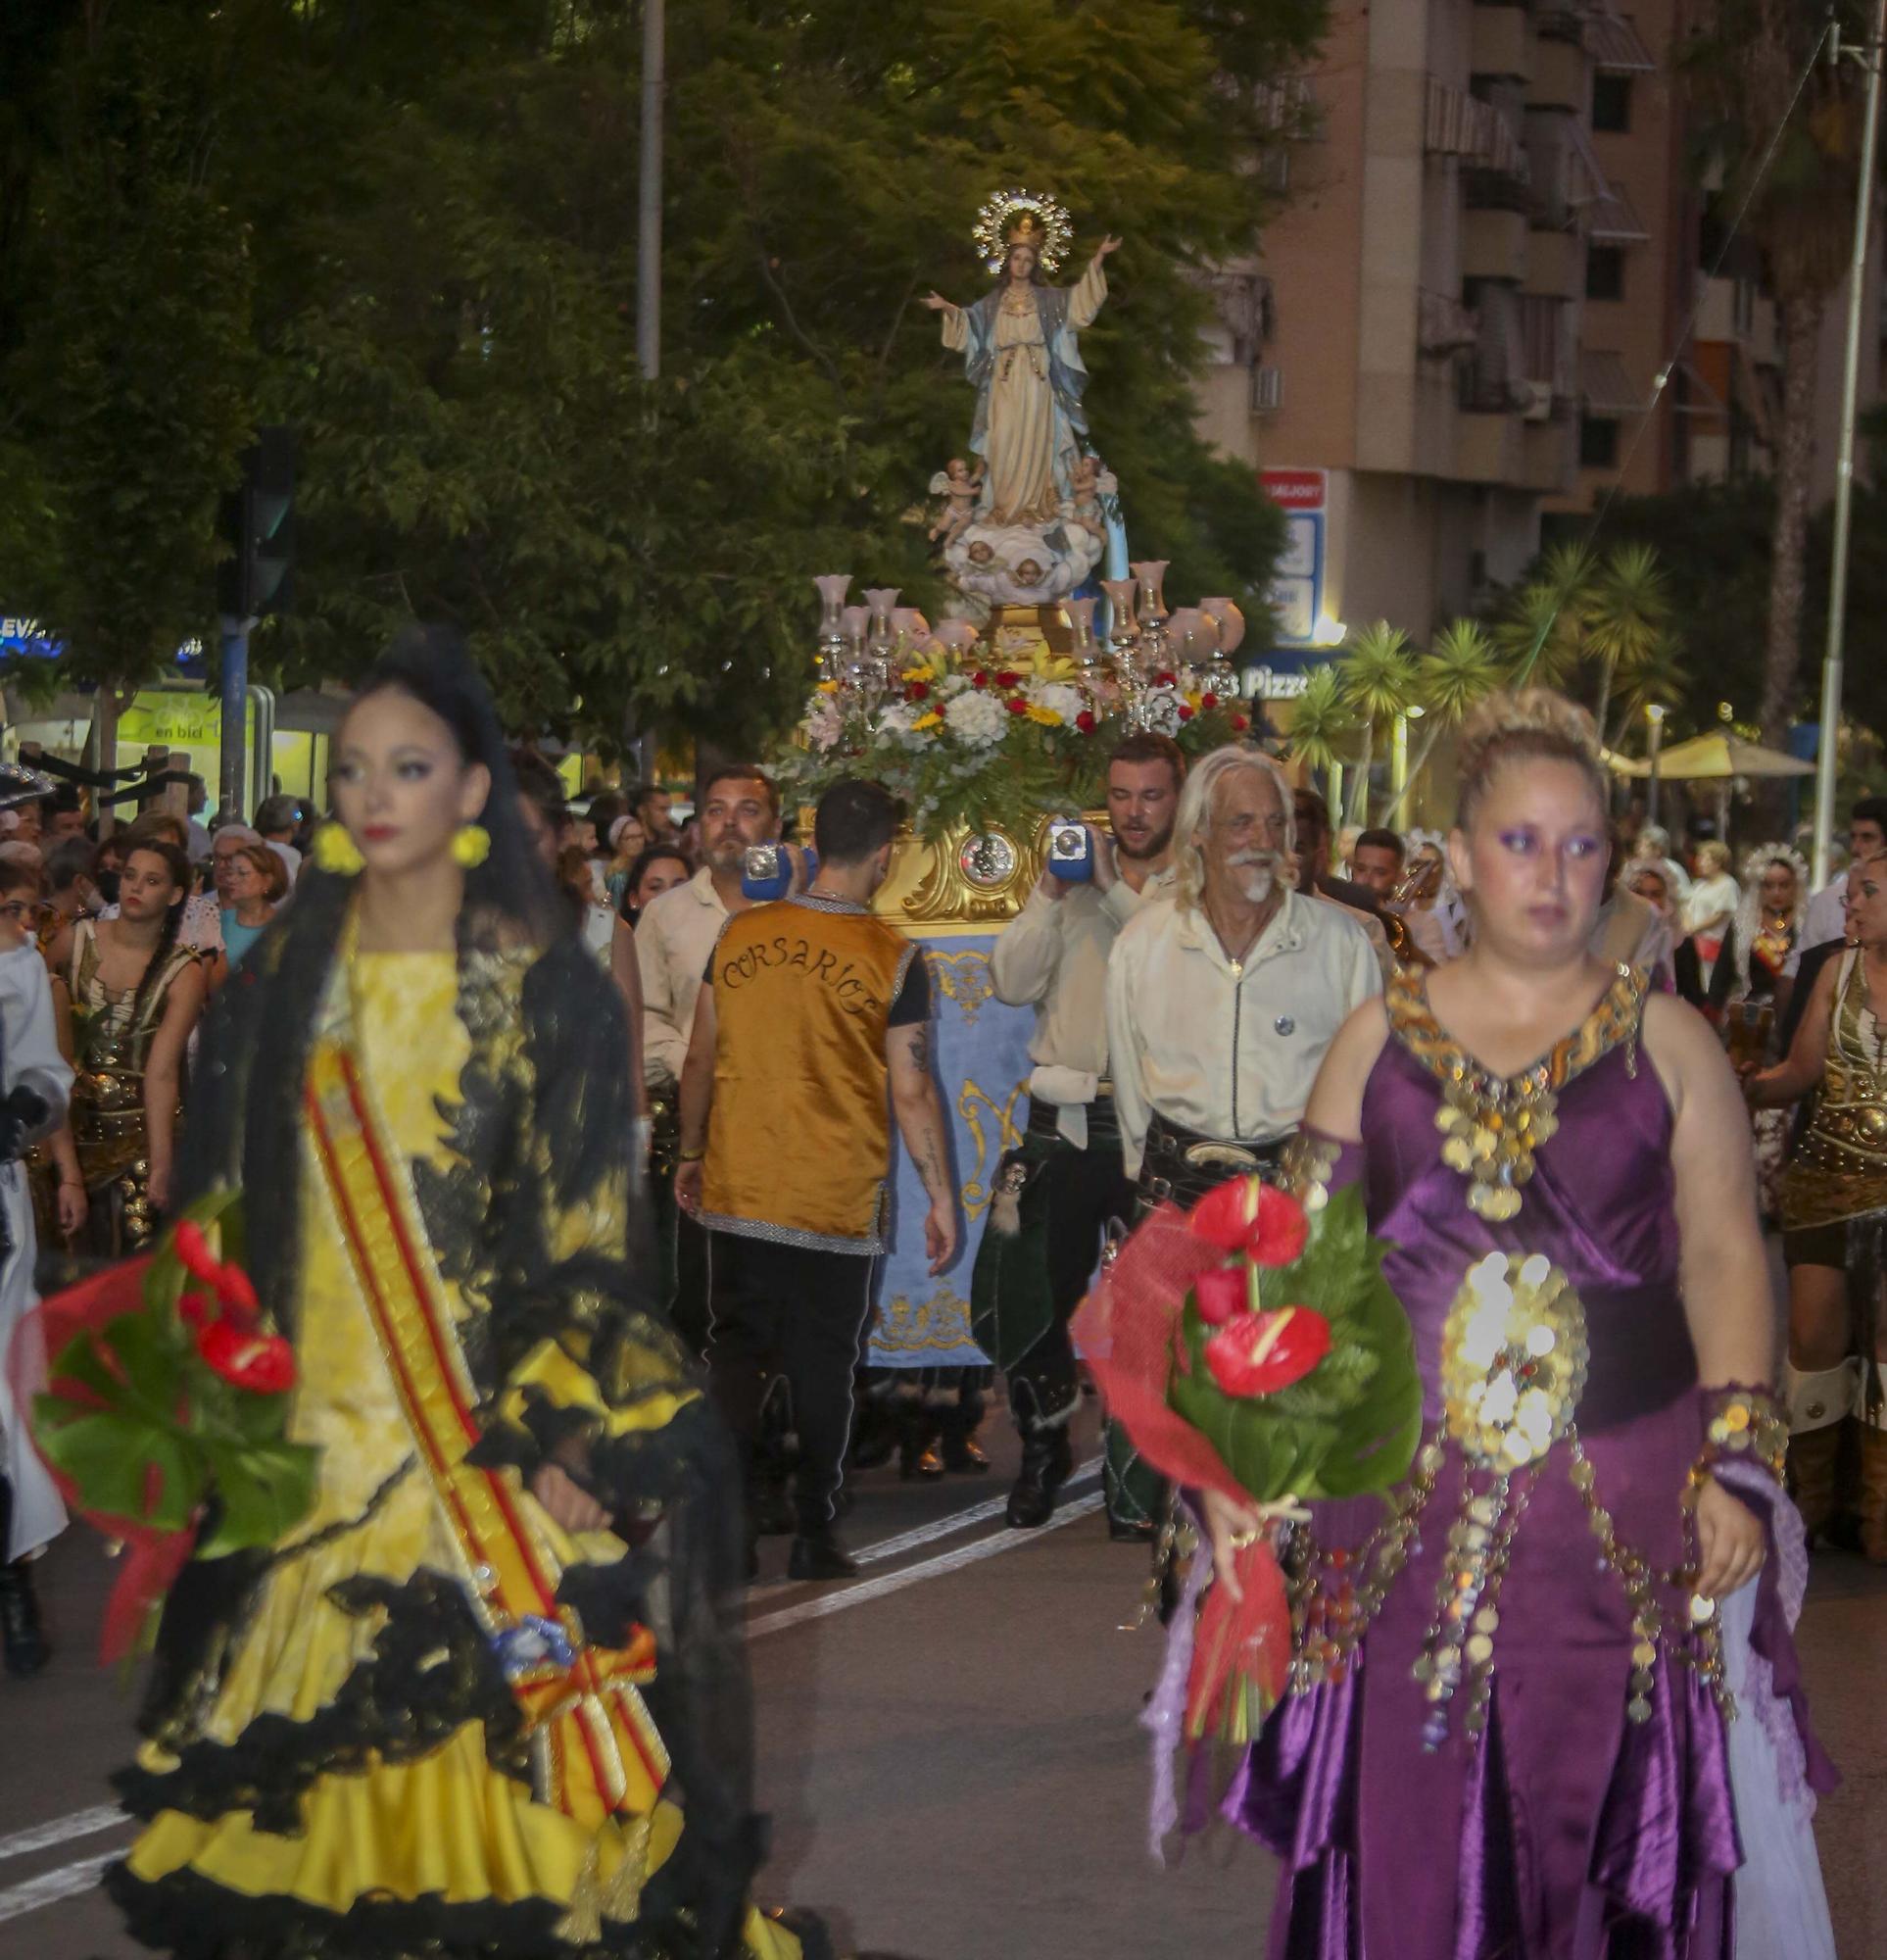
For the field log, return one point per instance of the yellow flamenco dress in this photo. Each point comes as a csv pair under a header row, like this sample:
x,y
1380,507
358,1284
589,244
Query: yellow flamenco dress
x,y
434,1812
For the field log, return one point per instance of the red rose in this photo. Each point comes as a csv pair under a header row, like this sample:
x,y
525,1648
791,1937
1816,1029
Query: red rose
x,y
1222,1296
918,690
1084,722
1250,1216
1166,680
1185,714
1006,677
1208,701
1239,724
261,1363
1016,704
978,678
1259,1353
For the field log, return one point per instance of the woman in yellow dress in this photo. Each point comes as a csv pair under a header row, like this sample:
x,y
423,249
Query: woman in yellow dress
x,y
487,1698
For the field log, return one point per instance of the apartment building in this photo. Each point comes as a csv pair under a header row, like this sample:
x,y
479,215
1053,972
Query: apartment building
x,y
1492,298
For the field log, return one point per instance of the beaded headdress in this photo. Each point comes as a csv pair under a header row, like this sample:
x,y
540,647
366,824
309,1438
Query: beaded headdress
x,y
1022,218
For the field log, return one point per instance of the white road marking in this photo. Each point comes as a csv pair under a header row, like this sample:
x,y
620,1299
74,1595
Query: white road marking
x,y
943,1526
52,1887
59,1830
915,1575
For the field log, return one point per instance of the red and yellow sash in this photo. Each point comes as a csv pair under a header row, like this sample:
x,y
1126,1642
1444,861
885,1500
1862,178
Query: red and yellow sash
x,y
597,1750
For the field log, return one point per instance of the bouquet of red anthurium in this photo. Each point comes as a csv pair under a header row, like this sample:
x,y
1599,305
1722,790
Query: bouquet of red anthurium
x,y
1253,1348
162,1415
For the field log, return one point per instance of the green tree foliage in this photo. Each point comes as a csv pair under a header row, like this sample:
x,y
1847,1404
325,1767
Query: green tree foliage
x,y
1377,673
438,202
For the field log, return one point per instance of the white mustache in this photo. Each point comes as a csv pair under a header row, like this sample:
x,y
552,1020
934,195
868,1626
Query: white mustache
x,y
1238,858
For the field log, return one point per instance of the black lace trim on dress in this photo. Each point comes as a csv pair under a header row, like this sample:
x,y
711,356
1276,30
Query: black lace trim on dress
x,y
430,1673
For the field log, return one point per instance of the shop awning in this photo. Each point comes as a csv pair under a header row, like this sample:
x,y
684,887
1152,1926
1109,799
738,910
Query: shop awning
x,y
1615,46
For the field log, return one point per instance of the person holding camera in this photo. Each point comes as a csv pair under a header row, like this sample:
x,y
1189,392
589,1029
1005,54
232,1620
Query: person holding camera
x,y
1056,1191
669,945
811,1009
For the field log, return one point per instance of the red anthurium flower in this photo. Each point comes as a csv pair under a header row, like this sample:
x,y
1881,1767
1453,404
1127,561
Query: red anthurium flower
x,y
1259,1353
980,678
1222,1296
1208,701
1186,712
193,1308
1084,722
1016,704
1248,1216
193,1249
236,1295
261,1363
1008,677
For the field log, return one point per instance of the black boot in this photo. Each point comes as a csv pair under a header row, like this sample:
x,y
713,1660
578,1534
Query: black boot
x,y
23,1640
1047,1460
818,1555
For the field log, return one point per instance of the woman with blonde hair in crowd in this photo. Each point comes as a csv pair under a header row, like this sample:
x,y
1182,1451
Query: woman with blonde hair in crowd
x,y
1710,908
1524,1712
254,882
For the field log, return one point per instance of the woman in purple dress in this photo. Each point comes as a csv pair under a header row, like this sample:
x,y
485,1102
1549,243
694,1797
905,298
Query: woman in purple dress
x,y
1506,1729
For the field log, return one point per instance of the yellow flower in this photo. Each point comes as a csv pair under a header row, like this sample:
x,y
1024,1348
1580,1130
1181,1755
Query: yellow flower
x,y
828,687
1053,666
1044,717
1193,701
924,722
920,673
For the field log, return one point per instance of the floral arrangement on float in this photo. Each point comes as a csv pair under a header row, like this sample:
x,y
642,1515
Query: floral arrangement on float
x,y
1252,1346
998,729
163,1413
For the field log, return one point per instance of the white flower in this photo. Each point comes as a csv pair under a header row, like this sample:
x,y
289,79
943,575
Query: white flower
x,y
976,719
1057,696
953,684
824,722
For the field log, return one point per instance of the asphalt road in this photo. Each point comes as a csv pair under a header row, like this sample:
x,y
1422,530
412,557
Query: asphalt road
x,y
948,1746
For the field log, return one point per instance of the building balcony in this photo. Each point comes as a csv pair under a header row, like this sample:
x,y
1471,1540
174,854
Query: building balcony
x,y
1502,44
1562,77
1728,312
1548,457
1554,265
1494,245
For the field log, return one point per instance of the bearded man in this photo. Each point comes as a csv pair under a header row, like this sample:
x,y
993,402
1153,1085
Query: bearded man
x,y
1221,1002
1056,1193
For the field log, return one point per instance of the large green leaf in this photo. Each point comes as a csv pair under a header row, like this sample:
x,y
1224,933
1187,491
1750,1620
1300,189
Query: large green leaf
x,y
262,1494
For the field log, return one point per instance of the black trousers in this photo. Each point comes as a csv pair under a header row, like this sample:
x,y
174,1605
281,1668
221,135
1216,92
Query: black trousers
x,y
1086,1191
787,1310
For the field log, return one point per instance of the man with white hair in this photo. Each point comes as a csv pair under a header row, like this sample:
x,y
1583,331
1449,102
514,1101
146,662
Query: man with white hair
x,y
1221,1002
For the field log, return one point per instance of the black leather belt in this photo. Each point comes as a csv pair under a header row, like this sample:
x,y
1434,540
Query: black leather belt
x,y
1103,1119
1184,1164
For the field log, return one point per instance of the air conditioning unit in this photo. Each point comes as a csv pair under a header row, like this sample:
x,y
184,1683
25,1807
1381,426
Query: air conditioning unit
x,y
1266,390
1535,401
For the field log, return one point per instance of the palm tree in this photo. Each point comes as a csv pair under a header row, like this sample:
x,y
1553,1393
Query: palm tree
x,y
1377,680
1625,619
1322,724
1543,632
1663,676
1453,678
1755,74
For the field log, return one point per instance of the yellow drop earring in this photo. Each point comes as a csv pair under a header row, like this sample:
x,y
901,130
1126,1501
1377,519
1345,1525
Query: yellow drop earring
x,y
336,851
471,844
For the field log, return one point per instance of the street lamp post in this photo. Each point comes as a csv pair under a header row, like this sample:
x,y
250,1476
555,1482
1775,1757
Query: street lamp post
x,y
1829,754
648,216
1655,714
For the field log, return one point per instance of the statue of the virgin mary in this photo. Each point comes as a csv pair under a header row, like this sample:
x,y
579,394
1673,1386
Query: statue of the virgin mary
x,y
1020,352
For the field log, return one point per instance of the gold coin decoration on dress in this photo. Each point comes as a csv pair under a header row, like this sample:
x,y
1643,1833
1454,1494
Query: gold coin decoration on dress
x,y
1492,1130
1513,1360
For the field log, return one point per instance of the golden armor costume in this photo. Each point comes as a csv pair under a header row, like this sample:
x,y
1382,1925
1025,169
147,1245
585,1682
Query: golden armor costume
x,y
111,1036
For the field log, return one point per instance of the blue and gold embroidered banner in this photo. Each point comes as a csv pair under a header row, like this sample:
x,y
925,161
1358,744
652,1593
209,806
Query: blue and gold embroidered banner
x,y
982,1064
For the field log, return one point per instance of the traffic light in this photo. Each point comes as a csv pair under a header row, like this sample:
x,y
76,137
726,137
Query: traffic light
x,y
258,525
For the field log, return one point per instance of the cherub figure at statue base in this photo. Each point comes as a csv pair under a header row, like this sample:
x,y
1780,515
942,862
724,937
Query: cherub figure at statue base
x,y
960,489
1023,565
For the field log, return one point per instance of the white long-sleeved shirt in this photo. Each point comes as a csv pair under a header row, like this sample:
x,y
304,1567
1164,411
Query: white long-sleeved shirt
x,y
1824,919
675,938
1223,1047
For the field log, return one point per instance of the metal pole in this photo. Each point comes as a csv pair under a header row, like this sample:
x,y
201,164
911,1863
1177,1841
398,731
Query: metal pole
x,y
648,229
234,693
1830,745
1655,714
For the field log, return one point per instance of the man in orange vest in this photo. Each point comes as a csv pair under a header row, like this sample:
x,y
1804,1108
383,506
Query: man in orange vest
x,y
811,1031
